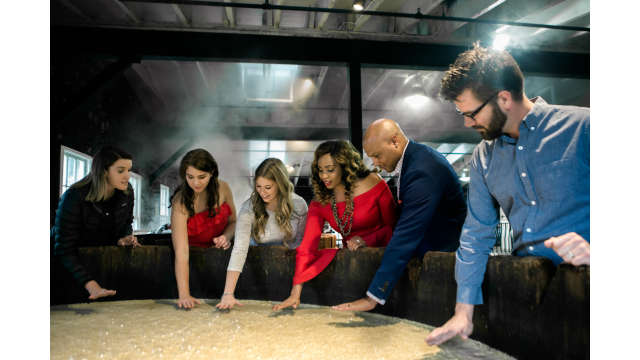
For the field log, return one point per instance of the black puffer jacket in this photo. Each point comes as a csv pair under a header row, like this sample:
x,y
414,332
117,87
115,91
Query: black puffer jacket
x,y
83,223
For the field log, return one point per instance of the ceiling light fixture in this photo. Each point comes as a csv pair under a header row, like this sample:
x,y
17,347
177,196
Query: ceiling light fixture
x,y
358,5
417,97
501,41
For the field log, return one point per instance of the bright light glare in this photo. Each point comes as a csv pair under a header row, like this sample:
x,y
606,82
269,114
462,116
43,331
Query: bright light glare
x,y
416,101
500,42
358,7
308,83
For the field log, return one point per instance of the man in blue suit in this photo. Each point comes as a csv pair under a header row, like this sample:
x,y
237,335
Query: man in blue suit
x,y
431,202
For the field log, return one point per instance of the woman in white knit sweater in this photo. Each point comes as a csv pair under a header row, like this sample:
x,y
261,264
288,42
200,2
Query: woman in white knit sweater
x,y
272,215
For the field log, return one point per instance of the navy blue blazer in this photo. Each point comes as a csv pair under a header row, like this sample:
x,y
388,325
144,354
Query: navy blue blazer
x,y
432,210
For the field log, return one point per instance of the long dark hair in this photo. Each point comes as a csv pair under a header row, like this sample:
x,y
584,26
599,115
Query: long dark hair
x,y
202,160
97,178
350,163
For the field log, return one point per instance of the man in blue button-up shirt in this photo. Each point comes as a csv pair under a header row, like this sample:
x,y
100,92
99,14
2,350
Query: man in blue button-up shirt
x,y
533,163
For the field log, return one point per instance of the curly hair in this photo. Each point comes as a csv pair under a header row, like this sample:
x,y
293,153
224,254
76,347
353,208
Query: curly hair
x,y
350,162
485,72
274,170
202,160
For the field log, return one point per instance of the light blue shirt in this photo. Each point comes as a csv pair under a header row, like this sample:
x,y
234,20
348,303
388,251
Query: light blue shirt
x,y
540,180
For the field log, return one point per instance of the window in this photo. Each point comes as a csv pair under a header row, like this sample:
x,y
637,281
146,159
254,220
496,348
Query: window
x,y
262,149
164,200
136,184
75,166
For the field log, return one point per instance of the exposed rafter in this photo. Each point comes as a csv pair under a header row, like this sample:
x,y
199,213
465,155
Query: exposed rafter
x,y
412,5
361,19
379,81
132,17
145,74
69,5
180,14
469,9
203,76
325,16
277,14
558,14
172,159
188,44
229,14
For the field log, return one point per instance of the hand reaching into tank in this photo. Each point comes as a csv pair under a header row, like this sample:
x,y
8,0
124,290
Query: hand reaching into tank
x,y
571,247
188,302
221,242
355,243
96,291
129,240
228,301
460,324
292,301
364,304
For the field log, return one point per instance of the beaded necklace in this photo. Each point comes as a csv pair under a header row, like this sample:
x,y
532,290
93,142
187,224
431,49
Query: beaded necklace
x,y
346,221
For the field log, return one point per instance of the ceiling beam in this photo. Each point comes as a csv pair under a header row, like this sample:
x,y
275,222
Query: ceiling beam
x,y
321,76
180,14
74,9
362,19
93,88
229,14
325,16
425,7
190,98
203,76
132,17
277,15
379,81
165,44
145,74
468,9
172,159
558,14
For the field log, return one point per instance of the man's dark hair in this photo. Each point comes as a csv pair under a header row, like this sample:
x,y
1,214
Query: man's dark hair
x,y
485,72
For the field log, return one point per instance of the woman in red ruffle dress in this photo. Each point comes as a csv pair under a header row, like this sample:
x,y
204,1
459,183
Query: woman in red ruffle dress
x,y
203,215
355,201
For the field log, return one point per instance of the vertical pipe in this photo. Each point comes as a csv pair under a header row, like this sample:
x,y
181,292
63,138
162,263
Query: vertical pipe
x,y
355,111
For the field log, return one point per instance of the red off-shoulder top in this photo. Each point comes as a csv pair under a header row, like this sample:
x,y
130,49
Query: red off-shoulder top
x,y
374,216
202,229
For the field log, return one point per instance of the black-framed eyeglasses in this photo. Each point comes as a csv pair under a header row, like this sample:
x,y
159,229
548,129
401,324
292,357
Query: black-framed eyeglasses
x,y
475,112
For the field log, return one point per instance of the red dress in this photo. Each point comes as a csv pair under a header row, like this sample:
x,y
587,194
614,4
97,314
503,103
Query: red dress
x,y
374,216
202,229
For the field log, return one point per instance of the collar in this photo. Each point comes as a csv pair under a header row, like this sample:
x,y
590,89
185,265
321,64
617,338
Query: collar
x,y
531,119
398,168
533,116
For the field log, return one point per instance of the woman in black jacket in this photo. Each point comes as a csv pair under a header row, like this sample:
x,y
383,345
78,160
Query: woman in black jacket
x,y
97,210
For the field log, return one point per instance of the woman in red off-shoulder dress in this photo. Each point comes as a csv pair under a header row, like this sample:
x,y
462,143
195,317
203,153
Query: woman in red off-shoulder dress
x,y
355,202
203,215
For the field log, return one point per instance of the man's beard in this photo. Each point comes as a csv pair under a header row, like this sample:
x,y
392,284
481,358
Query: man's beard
x,y
494,130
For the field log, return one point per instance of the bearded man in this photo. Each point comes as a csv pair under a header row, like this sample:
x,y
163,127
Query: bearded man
x,y
533,163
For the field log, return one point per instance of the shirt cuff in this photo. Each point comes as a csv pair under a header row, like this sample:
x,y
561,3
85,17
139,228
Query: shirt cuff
x,y
469,295
379,301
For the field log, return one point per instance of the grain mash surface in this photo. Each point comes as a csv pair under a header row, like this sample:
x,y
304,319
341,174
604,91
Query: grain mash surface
x,y
156,329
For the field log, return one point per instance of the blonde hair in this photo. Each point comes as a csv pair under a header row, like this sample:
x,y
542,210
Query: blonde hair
x,y
274,170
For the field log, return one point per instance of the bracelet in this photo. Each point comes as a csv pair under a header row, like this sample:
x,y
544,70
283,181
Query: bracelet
x,y
227,294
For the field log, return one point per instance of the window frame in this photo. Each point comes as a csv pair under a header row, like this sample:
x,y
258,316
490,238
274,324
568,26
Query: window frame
x,y
66,149
137,200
